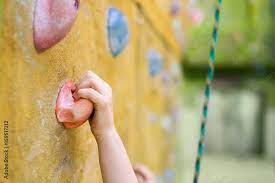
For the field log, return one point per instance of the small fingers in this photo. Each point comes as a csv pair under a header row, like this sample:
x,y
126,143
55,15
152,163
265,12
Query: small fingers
x,y
90,94
91,80
89,74
92,83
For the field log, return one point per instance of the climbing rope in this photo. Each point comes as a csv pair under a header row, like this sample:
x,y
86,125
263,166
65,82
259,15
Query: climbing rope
x,y
207,92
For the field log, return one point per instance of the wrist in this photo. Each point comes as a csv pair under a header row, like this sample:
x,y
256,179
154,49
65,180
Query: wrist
x,y
105,134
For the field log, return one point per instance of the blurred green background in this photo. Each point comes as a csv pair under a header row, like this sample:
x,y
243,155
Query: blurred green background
x,y
240,145
246,34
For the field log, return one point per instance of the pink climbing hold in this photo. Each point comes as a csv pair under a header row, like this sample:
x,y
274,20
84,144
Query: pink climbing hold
x,y
53,19
70,112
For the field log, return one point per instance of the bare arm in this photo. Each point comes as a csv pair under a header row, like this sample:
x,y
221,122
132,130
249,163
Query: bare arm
x,y
114,162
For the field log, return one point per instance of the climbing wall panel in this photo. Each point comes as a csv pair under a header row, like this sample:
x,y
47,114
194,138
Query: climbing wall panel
x,y
155,98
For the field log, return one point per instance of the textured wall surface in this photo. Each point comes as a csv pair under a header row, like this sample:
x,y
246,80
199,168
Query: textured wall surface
x,y
40,149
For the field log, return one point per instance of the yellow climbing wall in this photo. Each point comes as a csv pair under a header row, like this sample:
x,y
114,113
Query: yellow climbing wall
x,y
40,149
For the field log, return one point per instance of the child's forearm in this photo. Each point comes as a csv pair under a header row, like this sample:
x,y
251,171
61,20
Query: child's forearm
x,y
114,162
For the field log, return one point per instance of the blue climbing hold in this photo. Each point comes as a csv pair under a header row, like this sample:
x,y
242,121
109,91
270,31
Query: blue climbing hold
x,y
175,7
155,62
118,33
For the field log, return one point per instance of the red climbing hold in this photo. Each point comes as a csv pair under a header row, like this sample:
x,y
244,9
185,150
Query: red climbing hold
x,y
70,112
53,19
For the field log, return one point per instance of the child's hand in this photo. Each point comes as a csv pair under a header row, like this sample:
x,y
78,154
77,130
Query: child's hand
x,y
93,88
113,159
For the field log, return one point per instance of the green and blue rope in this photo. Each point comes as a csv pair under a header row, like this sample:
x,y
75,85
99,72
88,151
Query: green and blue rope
x,y
207,92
